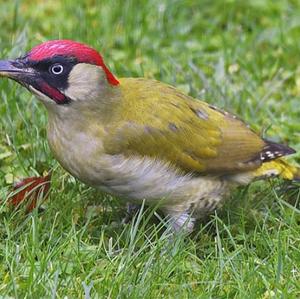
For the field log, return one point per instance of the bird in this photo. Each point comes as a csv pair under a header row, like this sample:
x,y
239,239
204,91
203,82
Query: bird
x,y
140,139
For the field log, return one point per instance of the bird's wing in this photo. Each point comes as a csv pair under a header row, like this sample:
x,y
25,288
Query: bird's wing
x,y
159,121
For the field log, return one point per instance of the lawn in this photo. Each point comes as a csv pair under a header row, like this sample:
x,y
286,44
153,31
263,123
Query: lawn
x,y
243,56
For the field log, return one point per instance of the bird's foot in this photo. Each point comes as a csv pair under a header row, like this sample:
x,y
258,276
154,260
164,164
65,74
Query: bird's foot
x,y
182,223
131,210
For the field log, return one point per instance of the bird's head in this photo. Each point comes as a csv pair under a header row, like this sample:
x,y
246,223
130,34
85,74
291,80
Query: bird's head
x,y
60,72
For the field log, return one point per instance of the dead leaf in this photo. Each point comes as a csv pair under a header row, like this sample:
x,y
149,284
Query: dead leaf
x,y
29,190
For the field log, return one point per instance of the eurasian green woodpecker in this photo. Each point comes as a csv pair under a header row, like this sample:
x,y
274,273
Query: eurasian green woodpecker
x,y
141,139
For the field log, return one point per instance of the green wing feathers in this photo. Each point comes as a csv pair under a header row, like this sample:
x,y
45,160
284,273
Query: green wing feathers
x,y
159,121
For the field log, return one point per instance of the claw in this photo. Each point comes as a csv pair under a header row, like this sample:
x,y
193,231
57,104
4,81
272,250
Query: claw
x,y
131,210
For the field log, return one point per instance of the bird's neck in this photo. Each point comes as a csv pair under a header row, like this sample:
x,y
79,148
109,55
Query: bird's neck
x,y
101,109
82,122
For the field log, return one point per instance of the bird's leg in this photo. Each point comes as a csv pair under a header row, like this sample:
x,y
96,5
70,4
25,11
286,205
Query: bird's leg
x,y
181,222
131,210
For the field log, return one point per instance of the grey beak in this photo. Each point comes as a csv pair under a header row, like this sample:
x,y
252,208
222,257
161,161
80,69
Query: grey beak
x,y
7,69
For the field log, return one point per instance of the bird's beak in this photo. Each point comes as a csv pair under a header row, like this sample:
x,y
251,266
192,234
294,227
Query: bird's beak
x,y
18,71
9,69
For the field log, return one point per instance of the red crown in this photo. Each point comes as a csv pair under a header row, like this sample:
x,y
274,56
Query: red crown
x,y
81,52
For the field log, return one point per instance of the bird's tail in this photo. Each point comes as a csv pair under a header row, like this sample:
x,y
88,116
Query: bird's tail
x,y
278,167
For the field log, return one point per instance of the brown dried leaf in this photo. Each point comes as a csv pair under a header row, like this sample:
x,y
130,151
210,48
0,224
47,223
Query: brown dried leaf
x,y
29,190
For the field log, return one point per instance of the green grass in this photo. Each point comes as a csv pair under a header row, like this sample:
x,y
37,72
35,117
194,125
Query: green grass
x,y
237,55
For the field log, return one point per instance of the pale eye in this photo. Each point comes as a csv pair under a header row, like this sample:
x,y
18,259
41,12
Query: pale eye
x,y
56,69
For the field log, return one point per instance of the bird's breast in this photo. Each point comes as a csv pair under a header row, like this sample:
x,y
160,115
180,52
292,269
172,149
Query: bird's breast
x,y
78,151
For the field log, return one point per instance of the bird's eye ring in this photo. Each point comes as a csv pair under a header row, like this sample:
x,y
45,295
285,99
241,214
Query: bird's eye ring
x,y
56,69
